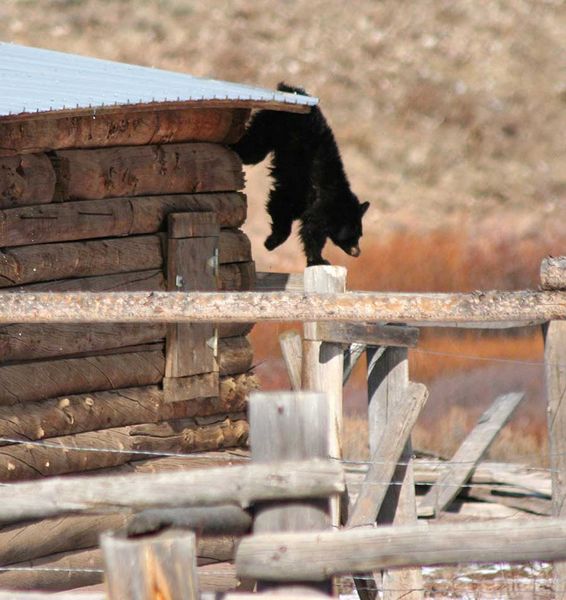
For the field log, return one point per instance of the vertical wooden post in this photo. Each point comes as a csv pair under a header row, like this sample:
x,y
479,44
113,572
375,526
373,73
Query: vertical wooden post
x,y
388,385
323,362
287,426
192,265
555,371
150,568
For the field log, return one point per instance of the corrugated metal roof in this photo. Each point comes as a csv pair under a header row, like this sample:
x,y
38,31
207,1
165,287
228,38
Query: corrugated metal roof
x,y
34,80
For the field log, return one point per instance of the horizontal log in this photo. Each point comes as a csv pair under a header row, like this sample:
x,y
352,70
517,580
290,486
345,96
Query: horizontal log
x,y
71,595
33,381
315,557
237,276
239,485
40,341
112,447
371,334
78,413
235,355
49,262
60,571
553,273
234,246
521,307
136,281
146,170
69,221
25,180
123,128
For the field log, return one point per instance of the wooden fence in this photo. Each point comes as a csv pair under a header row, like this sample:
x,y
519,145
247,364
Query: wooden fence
x,y
296,482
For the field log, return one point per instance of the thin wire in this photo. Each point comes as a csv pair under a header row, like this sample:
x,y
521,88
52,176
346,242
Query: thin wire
x,y
487,358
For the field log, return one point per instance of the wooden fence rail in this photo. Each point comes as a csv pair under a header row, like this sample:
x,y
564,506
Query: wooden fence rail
x,y
490,309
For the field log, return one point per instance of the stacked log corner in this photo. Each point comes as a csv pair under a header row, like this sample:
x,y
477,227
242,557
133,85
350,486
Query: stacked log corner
x,y
146,202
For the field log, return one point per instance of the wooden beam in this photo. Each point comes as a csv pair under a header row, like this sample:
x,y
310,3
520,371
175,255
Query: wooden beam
x,y
553,273
136,126
192,264
279,282
26,180
315,556
371,334
469,454
226,307
388,390
79,413
387,453
555,376
87,219
351,356
149,567
146,170
239,485
291,345
290,426
111,447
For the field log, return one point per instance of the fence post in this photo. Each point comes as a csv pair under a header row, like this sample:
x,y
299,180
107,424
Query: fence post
x,y
288,426
388,386
553,276
150,567
323,362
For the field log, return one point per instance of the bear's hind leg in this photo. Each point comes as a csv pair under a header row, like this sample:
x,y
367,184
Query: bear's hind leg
x,y
280,209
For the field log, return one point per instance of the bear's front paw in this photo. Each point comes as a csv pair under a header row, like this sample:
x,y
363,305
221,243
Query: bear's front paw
x,y
273,241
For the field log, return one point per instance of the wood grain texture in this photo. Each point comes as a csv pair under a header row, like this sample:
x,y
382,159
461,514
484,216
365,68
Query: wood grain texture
x,y
89,219
555,376
387,454
469,454
162,566
79,413
239,485
371,334
235,355
388,388
116,446
310,556
234,307
553,273
146,170
26,180
123,128
34,381
48,262
291,345
290,426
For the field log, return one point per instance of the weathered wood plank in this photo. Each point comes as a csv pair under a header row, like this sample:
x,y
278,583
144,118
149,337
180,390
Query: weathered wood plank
x,y
25,180
29,382
116,446
469,454
164,565
41,341
234,246
387,453
555,376
352,355
224,125
191,265
388,388
49,262
235,355
553,273
290,426
315,556
146,170
69,221
257,306
279,282
291,345
237,276
371,334
237,485
78,413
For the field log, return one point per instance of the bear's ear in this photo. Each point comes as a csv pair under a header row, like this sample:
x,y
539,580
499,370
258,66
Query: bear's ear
x,y
363,208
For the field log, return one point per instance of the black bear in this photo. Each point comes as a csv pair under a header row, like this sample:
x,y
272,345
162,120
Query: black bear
x,y
309,182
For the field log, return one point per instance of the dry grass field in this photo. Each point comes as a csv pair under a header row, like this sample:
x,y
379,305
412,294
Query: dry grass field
x,y
451,119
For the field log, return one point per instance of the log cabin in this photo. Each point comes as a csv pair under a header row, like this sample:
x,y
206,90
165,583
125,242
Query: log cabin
x,y
117,177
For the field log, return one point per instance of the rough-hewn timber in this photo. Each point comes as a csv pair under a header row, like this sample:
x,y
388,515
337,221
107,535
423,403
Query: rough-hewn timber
x,y
26,180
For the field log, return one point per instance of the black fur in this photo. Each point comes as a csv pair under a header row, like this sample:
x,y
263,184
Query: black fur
x,y
309,182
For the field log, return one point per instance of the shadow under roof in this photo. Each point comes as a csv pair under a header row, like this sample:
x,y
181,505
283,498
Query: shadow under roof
x,y
35,81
